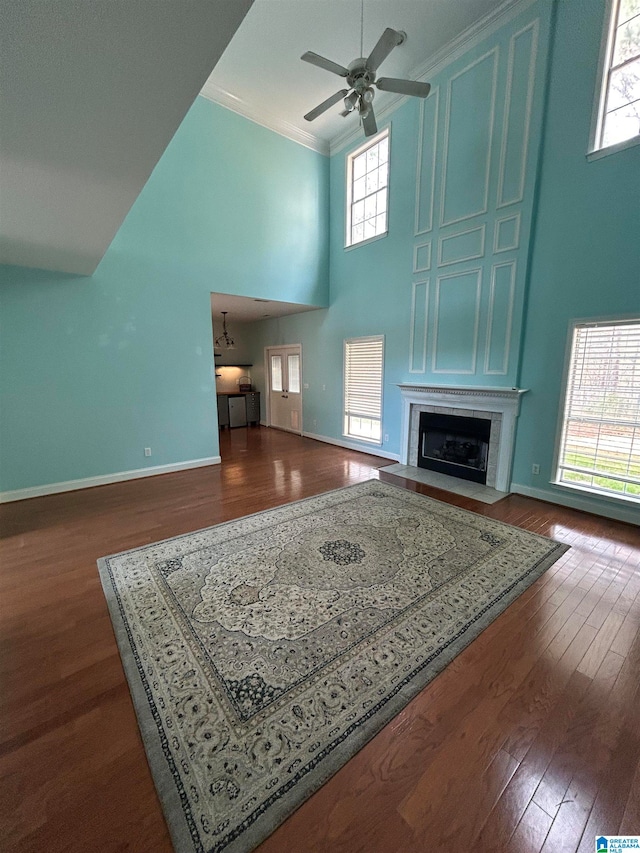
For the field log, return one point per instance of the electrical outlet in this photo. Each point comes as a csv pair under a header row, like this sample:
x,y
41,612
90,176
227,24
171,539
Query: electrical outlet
x,y
324,387
315,422
147,451
305,385
386,437
535,469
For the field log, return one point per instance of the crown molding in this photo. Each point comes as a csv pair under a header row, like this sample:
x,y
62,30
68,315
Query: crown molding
x,y
447,54
471,37
237,105
452,51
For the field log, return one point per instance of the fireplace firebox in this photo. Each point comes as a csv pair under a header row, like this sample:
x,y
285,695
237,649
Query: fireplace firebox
x,y
454,445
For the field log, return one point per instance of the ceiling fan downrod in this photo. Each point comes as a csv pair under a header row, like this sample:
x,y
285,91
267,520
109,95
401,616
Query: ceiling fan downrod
x,y
360,76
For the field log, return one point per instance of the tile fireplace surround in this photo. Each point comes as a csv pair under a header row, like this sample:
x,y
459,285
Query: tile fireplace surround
x,y
499,405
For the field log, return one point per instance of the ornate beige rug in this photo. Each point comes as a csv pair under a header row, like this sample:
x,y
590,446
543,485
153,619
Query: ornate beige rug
x,y
263,653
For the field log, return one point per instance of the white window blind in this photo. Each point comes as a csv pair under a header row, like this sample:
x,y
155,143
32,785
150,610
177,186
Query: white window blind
x,y
363,369
600,442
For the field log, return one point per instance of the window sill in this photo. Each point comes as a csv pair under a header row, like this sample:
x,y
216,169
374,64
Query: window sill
x,y
625,500
599,153
365,242
372,441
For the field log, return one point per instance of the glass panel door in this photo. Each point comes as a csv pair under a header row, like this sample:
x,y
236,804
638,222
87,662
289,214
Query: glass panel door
x,y
276,373
293,374
285,387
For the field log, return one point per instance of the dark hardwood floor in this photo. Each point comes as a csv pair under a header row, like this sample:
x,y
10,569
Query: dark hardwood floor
x,y
528,741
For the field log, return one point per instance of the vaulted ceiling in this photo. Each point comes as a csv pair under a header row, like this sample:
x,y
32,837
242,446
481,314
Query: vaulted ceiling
x,y
93,90
261,75
91,93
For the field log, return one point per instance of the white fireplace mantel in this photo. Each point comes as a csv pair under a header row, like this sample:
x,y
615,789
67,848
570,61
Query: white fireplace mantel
x,y
504,402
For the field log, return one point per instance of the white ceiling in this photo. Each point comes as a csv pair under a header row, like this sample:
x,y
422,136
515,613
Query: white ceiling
x,y
260,74
91,93
93,90
245,309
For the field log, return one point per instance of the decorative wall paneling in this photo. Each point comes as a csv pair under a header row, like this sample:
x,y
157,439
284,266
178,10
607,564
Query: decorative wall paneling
x,y
426,164
507,234
468,136
476,168
456,321
422,257
500,318
418,331
517,116
463,246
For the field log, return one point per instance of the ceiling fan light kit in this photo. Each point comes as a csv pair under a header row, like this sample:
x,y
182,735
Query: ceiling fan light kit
x,y
351,102
361,78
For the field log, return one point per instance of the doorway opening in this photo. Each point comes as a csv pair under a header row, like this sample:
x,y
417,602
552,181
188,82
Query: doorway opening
x,y
283,369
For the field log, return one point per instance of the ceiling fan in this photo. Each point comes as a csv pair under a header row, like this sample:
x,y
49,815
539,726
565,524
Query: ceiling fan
x,y
361,78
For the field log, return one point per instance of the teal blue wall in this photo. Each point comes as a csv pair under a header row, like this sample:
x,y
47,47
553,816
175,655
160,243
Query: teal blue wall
x,y
95,369
578,255
445,290
586,248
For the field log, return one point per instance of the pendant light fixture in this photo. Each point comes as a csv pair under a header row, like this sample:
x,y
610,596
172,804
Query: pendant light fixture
x,y
224,340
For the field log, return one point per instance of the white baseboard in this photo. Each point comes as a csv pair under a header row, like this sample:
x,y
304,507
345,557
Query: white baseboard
x,y
105,479
373,450
619,513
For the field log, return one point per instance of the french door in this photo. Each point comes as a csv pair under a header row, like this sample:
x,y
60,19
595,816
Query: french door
x,y
284,371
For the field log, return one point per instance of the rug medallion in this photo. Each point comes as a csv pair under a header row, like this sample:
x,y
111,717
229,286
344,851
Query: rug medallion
x,y
263,653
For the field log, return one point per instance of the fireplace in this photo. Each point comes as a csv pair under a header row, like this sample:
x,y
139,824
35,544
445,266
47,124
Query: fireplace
x,y
497,407
454,445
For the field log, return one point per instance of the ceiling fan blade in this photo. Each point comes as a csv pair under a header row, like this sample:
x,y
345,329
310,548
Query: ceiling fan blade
x,y
326,104
369,123
327,64
403,87
387,41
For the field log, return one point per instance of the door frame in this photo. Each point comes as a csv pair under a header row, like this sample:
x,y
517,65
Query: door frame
x,y
267,373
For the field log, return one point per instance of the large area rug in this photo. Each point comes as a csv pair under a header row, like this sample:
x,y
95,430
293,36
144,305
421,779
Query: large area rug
x,y
263,653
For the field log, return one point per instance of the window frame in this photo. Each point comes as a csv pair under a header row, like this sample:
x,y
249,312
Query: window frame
x,y
345,414
350,157
596,148
575,488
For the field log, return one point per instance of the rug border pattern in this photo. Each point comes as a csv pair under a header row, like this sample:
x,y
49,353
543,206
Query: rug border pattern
x,y
260,823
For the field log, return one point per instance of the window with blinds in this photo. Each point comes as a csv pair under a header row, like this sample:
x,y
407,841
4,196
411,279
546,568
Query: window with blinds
x,y
363,369
600,441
